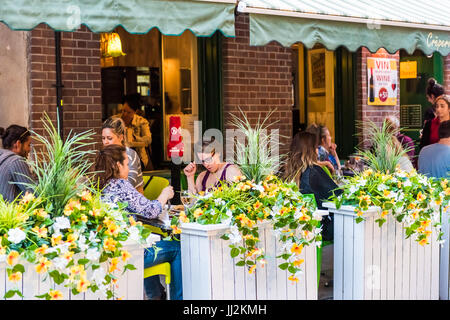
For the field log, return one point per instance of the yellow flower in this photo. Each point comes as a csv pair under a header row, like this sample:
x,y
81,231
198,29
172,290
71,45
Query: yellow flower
x,y
132,221
444,183
109,244
359,213
15,277
77,270
257,205
239,178
411,206
293,278
85,195
386,193
41,250
55,295
12,257
41,232
252,269
399,184
125,255
438,201
83,285
304,217
297,249
43,265
27,197
420,196
113,266
40,213
428,232
183,217
298,262
284,210
198,212
68,255
384,213
95,212
84,218
113,230
415,214
175,229
56,239
262,262
423,242
447,191
420,229
425,223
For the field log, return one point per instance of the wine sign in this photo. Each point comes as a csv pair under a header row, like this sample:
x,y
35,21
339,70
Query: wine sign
x,y
382,81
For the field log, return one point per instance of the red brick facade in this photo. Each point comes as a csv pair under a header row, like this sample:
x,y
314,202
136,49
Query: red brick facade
x,y
257,80
365,112
81,77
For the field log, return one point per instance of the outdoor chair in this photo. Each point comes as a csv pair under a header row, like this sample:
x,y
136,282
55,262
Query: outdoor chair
x,y
153,185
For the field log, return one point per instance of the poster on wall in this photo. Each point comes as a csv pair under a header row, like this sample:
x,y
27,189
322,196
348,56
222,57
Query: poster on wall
x,y
382,81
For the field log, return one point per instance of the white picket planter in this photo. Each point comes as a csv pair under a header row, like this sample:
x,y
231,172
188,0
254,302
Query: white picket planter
x,y
209,272
373,263
129,286
444,270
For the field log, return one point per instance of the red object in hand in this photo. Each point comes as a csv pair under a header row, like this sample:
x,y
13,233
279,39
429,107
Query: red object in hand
x,y
175,147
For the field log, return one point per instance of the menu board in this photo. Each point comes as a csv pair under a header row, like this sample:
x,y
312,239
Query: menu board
x,y
411,116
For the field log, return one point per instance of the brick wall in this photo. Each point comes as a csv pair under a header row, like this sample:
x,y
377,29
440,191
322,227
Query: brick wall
x,y
447,74
364,112
257,80
81,77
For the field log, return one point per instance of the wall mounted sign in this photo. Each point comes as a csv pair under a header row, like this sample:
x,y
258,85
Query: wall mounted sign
x,y
382,81
411,116
316,71
408,70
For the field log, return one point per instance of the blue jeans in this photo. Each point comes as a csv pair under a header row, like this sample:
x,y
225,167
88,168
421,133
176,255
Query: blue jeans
x,y
170,252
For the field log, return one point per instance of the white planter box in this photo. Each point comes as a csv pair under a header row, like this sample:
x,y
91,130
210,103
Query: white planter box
x,y
129,286
444,280
373,263
209,272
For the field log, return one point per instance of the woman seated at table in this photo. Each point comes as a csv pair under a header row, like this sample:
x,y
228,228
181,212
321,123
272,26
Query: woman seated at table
x,y
324,160
112,167
302,167
113,132
216,170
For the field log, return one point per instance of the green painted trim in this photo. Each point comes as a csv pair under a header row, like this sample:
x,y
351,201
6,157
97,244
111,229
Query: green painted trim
x,y
438,67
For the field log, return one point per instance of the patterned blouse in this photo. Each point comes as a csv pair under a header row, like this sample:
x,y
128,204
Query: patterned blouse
x,y
121,190
135,173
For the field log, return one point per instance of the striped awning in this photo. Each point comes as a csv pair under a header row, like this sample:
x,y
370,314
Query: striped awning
x,y
389,24
171,17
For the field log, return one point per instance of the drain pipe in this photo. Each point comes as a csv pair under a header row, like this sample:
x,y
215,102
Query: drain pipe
x,y
59,85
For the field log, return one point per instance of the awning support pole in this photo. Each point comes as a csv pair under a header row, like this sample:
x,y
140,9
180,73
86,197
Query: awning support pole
x,y
59,85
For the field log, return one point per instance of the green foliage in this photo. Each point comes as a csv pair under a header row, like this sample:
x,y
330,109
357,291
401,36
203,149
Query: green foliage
x,y
385,154
253,157
62,169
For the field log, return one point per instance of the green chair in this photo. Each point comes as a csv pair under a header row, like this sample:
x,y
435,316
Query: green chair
x,y
183,180
153,186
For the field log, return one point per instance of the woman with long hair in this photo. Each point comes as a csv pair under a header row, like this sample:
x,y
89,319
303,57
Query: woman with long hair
x,y
113,132
303,168
327,156
430,132
111,166
216,170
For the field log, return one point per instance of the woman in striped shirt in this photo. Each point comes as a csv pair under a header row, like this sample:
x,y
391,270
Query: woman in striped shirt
x,y
113,132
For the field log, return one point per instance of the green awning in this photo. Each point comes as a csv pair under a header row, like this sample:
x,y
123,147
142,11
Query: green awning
x,y
374,24
171,17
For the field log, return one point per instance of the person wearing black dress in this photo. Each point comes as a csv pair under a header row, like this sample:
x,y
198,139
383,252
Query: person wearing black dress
x,y
302,168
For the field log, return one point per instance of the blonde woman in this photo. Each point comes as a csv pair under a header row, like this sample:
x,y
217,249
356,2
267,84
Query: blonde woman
x,y
303,168
113,132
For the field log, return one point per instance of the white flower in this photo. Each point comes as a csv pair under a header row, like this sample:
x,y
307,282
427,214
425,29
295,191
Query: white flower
x,y
235,236
318,244
353,189
206,196
134,233
362,183
16,235
382,187
407,183
219,202
98,276
423,180
317,216
82,243
259,188
92,254
317,231
61,223
92,237
60,263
